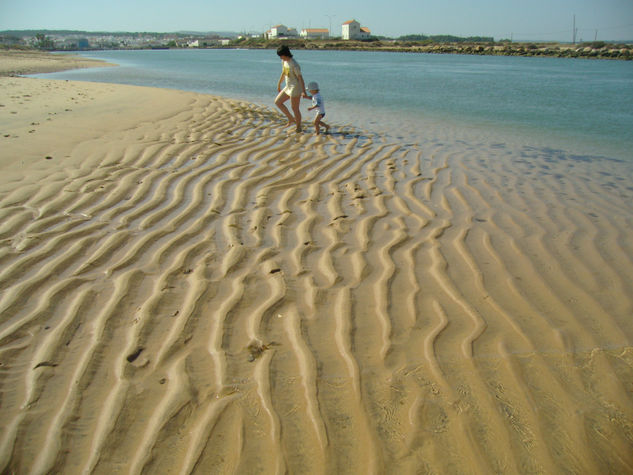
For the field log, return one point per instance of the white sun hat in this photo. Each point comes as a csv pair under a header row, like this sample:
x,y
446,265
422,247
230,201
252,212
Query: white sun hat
x,y
313,86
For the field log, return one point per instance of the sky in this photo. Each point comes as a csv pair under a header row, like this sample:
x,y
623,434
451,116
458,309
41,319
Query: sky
x,y
528,20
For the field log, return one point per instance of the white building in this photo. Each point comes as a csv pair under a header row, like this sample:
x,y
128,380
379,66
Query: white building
x,y
351,30
315,33
281,31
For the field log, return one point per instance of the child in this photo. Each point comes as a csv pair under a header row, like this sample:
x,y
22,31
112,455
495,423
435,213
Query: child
x,y
317,103
294,89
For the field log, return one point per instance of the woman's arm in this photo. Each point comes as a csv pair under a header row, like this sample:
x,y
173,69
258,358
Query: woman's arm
x,y
303,86
297,71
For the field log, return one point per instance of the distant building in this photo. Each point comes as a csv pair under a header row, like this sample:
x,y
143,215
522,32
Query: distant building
x,y
315,33
281,31
351,30
8,40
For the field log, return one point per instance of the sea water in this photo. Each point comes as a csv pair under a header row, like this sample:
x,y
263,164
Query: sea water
x,y
578,105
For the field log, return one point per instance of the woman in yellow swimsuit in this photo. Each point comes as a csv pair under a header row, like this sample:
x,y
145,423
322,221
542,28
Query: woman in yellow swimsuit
x,y
294,89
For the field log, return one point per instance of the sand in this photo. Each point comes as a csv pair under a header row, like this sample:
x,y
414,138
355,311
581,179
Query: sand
x,y
21,62
185,287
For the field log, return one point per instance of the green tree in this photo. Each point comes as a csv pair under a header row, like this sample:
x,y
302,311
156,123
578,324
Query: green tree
x,y
44,42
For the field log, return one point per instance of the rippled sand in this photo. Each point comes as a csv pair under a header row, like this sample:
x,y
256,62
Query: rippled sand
x,y
185,287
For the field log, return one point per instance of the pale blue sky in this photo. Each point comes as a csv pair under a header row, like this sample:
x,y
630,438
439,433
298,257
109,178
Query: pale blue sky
x,y
524,19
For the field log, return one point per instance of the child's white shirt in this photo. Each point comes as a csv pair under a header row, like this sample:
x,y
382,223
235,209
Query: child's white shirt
x,y
317,100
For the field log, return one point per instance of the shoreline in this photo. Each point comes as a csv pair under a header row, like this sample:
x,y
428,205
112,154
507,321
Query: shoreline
x,y
555,50
591,50
187,287
24,62
571,140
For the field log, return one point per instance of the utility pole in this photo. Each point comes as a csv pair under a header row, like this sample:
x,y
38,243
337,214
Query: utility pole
x,y
574,32
330,29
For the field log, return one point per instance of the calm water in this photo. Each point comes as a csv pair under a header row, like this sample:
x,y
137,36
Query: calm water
x,y
583,106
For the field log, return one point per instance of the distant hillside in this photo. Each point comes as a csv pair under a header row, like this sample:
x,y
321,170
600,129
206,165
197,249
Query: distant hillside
x,y
26,33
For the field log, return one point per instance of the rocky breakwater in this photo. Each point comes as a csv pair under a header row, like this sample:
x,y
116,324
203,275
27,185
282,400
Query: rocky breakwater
x,y
596,49
600,51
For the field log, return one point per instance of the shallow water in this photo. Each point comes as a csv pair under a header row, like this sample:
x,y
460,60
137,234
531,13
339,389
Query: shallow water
x,y
582,106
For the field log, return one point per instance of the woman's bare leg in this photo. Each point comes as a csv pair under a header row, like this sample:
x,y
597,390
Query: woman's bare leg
x,y
281,98
295,103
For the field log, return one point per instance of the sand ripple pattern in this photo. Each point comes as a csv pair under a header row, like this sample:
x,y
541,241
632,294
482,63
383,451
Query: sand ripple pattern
x,y
209,294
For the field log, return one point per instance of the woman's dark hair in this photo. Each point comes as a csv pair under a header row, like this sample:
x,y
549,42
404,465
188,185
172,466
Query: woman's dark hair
x,y
284,51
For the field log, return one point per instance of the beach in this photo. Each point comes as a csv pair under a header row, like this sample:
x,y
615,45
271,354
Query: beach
x,y
187,287
22,62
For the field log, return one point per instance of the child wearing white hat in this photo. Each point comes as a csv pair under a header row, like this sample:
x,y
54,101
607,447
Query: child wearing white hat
x,y
317,103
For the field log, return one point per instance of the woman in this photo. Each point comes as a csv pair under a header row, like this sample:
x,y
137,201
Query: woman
x,y
294,89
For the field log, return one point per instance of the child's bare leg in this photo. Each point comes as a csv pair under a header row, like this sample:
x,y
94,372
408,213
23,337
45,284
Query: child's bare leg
x,y
279,102
318,123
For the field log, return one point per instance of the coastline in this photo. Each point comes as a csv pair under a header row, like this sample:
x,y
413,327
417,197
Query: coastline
x,y
23,62
185,286
591,50
595,50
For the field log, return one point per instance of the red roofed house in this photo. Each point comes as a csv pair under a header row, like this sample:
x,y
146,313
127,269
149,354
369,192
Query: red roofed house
x,y
280,31
311,33
351,30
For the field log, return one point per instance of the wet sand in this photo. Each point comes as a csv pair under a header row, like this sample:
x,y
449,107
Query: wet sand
x,y
22,62
186,287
